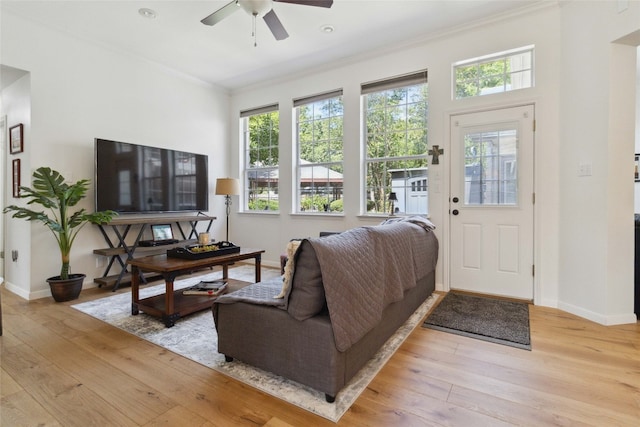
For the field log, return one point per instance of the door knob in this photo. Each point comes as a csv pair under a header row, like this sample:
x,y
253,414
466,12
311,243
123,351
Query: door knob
x,y
455,212
455,200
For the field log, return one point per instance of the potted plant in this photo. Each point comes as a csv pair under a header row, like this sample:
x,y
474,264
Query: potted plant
x,y
51,192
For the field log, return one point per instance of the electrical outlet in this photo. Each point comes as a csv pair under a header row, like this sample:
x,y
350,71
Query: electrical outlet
x,y
99,262
585,169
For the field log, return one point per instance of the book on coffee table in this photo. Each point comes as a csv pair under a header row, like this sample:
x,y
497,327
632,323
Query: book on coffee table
x,y
213,288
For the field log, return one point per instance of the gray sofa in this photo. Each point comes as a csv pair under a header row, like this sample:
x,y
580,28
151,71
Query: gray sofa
x,y
348,294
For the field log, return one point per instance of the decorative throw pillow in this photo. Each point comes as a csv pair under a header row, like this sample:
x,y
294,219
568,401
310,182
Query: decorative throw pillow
x,y
289,267
306,296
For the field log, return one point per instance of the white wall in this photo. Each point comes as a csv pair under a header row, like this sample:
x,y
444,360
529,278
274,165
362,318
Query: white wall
x,y
597,116
437,55
78,92
582,96
16,105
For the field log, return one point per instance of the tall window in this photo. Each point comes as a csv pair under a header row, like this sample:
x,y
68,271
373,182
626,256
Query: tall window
x,y
261,130
499,72
319,166
396,145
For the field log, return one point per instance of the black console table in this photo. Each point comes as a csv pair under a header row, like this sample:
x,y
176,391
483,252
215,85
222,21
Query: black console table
x,y
118,246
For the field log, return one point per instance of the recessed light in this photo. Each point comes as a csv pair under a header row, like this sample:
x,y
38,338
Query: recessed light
x,y
327,29
147,13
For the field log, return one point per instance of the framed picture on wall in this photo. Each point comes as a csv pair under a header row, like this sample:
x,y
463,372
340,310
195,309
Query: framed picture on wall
x,y
16,143
16,177
637,166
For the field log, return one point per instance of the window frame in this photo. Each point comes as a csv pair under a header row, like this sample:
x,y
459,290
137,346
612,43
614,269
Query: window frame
x,y
271,171
505,76
408,173
298,161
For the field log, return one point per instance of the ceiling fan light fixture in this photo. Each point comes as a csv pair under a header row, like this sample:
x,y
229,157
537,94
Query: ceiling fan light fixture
x,y
147,13
256,7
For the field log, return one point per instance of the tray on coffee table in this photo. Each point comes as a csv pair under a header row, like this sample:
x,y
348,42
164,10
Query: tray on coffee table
x,y
202,251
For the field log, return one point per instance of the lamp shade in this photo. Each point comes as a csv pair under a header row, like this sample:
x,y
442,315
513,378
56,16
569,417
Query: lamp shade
x,y
393,197
227,186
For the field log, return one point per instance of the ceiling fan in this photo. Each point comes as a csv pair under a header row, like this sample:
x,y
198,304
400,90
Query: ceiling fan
x,y
263,8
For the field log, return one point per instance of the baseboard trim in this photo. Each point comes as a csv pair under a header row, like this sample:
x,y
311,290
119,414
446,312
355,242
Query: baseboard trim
x,y
606,320
21,292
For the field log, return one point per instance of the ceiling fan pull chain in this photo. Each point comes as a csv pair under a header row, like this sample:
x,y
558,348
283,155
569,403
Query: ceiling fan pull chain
x,y
253,31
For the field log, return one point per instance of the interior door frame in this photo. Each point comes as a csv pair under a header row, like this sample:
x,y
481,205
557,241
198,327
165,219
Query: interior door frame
x,y
445,254
4,140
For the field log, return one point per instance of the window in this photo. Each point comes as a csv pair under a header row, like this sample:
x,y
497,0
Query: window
x,y
320,155
396,145
500,72
490,165
260,128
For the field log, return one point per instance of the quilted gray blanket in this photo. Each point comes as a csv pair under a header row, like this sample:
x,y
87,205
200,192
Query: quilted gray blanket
x,y
367,268
258,293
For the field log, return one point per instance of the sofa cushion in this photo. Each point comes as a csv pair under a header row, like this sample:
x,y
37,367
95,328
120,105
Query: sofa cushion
x,y
306,295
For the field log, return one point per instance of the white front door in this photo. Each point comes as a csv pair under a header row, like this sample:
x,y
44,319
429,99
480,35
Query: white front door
x,y
491,202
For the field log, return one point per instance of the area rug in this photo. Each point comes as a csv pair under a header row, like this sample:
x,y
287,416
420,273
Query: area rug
x,y
488,319
194,337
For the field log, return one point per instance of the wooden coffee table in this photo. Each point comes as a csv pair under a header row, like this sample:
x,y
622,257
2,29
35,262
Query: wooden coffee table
x,y
172,305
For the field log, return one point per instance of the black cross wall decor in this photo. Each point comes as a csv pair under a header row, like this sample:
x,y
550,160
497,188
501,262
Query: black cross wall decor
x,y
436,152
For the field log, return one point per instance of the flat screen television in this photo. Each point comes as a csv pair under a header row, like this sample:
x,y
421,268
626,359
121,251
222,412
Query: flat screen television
x,y
131,178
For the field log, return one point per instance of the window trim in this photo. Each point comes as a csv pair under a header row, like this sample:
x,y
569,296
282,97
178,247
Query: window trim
x,y
246,169
259,110
505,54
315,98
405,80
394,82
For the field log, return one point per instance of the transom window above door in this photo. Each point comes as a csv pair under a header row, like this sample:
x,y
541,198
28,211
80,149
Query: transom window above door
x,y
495,73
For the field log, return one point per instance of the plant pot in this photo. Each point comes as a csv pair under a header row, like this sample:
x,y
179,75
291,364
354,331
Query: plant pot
x,y
66,290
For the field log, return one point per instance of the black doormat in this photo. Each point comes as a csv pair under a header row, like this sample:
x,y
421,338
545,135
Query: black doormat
x,y
488,319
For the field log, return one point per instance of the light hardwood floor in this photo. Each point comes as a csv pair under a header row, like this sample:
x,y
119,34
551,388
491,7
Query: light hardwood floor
x,y
61,367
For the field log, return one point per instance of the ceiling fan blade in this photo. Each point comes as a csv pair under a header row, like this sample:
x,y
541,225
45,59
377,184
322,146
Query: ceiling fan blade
x,y
318,3
221,13
275,25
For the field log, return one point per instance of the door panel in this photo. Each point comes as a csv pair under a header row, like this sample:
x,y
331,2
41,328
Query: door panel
x,y
472,257
491,233
508,248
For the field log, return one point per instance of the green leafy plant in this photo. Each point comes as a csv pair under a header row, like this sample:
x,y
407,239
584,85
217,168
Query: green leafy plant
x,y
51,192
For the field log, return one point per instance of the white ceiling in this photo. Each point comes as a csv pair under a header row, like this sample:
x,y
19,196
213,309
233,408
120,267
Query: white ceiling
x,y
224,54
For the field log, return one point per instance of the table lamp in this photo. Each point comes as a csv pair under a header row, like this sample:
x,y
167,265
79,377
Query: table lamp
x,y
392,198
227,187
